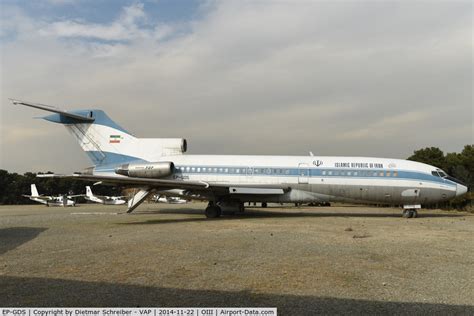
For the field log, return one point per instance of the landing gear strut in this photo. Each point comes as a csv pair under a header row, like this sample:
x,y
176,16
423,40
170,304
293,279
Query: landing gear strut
x,y
410,213
213,211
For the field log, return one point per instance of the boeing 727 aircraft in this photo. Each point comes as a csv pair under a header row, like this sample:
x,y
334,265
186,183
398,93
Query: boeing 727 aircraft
x,y
103,199
60,200
160,164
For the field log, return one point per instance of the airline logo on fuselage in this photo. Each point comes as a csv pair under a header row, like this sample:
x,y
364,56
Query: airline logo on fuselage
x,y
317,163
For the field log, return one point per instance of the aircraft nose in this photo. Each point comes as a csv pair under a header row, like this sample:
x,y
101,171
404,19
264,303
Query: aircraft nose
x,y
460,189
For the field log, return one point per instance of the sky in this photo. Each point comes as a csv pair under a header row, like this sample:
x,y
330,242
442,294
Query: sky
x,y
354,78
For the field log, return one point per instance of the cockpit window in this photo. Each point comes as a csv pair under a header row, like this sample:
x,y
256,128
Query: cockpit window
x,y
441,173
435,173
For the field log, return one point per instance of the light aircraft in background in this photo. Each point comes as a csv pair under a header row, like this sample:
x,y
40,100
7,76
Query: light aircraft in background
x,y
103,199
228,181
60,200
169,199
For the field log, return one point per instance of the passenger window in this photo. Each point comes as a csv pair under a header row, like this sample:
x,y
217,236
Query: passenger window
x,y
330,173
215,170
226,170
382,174
395,174
287,171
349,173
324,173
388,174
198,169
193,169
355,173
187,169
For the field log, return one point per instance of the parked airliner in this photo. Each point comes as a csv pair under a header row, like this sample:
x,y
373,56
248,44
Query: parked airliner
x,y
60,200
227,181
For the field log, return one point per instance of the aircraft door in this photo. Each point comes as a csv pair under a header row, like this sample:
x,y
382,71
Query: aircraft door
x,y
303,173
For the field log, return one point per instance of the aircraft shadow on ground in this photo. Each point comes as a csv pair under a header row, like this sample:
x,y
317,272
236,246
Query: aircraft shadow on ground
x,y
44,292
13,237
267,213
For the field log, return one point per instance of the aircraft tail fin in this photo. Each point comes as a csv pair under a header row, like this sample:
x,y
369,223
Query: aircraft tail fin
x,y
34,191
88,191
104,141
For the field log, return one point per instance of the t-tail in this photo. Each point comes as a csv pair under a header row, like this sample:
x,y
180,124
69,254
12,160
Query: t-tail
x,y
105,142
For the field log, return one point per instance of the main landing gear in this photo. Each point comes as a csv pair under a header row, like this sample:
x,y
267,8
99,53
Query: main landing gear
x,y
410,213
213,210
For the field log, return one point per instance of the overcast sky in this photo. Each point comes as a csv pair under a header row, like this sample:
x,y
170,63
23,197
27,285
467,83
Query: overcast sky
x,y
371,78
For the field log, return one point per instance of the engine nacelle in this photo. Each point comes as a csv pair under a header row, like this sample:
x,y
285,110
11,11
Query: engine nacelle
x,y
146,170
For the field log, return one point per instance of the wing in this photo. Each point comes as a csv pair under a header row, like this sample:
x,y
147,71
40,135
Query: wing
x,y
162,184
199,189
75,195
40,197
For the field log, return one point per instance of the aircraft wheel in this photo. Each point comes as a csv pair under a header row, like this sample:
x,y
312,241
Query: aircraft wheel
x,y
264,204
406,213
414,214
213,211
241,207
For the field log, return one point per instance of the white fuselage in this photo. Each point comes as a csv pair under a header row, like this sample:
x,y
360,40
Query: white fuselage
x,y
311,178
54,201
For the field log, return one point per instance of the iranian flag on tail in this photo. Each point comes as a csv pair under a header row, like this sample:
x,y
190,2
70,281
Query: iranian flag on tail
x,y
115,139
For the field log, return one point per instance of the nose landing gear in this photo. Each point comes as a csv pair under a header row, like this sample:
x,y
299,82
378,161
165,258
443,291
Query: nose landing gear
x,y
410,213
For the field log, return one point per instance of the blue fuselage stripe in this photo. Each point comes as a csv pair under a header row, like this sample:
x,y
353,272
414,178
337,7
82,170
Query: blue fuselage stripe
x,y
386,174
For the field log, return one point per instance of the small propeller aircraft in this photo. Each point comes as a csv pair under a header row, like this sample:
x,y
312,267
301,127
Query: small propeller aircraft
x,y
103,199
60,200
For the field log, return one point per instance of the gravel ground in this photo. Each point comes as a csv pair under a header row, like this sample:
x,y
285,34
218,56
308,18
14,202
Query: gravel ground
x,y
341,259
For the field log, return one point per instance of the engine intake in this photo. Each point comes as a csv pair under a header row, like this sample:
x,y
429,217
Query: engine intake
x,y
146,170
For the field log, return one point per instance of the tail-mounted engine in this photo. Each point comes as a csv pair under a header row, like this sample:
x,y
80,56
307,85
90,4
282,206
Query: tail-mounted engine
x,y
146,170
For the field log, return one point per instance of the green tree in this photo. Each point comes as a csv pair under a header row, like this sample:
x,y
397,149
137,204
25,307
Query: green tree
x,y
430,155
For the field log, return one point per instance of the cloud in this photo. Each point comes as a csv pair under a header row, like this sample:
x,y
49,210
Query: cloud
x,y
357,78
130,25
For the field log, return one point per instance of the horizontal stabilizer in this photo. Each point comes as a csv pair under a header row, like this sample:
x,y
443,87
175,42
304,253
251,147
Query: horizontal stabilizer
x,y
77,117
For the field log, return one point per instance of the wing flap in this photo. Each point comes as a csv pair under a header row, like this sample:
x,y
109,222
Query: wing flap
x,y
247,190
